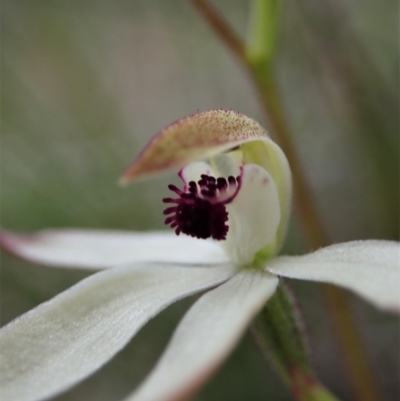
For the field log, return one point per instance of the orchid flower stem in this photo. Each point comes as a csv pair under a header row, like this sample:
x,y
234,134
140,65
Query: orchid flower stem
x,y
357,364
259,66
279,334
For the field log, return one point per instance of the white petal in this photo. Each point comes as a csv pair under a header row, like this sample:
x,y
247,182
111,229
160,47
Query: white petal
x,y
227,164
206,336
66,339
254,215
269,155
193,171
96,249
369,268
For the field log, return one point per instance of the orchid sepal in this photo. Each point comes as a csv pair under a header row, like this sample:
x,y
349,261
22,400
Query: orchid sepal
x,y
196,137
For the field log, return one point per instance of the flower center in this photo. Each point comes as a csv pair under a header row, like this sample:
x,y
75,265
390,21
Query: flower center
x,y
200,209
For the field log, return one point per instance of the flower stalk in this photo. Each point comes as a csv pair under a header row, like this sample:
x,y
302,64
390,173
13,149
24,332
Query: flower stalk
x,y
257,58
279,334
306,388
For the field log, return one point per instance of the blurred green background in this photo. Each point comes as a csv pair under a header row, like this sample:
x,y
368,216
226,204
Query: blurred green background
x,y
86,84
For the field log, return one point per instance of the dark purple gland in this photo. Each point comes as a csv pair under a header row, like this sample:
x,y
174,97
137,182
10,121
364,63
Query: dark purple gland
x,y
200,209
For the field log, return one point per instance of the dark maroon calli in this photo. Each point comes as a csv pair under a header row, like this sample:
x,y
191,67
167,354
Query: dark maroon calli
x,y
200,209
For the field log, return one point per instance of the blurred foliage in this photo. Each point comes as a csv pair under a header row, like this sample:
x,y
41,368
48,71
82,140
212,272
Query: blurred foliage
x,y
86,84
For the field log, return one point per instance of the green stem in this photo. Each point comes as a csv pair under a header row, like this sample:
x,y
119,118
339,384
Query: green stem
x,y
356,362
305,205
279,335
306,388
259,65
264,31
221,28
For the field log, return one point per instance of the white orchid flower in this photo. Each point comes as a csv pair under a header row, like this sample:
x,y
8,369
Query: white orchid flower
x,y
238,204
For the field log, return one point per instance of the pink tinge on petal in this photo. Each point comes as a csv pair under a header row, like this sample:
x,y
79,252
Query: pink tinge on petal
x,y
12,243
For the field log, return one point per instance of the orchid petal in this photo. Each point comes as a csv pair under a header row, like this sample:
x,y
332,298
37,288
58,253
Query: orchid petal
x,y
269,155
96,249
369,268
193,172
254,215
206,336
192,138
64,340
228,163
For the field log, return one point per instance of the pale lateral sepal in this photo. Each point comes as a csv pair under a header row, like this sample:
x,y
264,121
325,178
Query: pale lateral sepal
x,y
64,340
205,337
100,249
369,268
